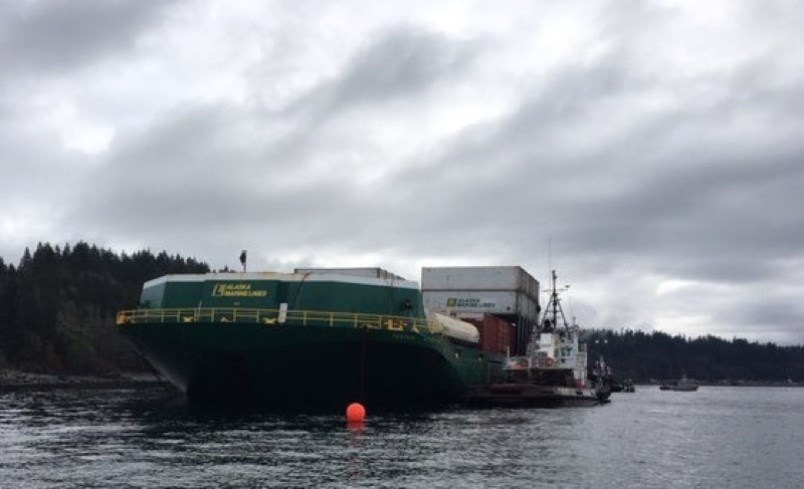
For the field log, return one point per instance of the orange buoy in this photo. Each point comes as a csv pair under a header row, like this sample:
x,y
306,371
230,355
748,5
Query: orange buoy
x,y
355,413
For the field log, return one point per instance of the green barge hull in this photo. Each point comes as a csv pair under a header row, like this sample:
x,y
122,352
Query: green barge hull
x,y
321,343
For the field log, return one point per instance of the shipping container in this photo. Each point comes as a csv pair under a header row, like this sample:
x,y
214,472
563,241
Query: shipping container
x,y
480,278
495,332
507,292
493,290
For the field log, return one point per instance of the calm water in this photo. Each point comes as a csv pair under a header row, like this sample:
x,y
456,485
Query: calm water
x,y
716,437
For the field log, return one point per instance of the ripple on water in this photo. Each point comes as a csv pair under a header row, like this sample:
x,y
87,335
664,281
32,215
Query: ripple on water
x,y
736,437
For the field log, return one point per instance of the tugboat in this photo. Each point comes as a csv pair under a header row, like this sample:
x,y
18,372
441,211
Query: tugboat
x,y
553,372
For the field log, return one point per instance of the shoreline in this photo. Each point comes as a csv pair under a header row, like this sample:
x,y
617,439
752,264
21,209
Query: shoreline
x,y
734,384
16,380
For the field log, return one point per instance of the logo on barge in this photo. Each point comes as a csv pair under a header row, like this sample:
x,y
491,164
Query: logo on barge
x,y
237,290
469,303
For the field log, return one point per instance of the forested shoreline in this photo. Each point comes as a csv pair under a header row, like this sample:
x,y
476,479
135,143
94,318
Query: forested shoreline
x,y
649,357
58,306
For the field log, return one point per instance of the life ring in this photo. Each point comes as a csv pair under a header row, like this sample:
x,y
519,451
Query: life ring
x,y
549,362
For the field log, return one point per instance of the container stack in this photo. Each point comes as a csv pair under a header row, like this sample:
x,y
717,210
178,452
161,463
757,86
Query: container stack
x,y
503,302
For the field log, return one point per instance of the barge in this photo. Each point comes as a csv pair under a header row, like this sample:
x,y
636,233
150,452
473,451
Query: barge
x,y
309,341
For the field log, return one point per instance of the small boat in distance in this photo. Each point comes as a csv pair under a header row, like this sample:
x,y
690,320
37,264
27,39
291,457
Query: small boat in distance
x,y
684,385
628,386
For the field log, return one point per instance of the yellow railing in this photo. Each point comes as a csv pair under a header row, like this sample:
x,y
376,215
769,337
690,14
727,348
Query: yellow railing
x,y
273,317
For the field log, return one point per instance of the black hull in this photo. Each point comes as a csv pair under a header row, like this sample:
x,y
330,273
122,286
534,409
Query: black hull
x,y
517,395
312,369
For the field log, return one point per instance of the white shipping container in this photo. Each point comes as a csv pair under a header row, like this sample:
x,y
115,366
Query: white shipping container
x,y
480,278
503,291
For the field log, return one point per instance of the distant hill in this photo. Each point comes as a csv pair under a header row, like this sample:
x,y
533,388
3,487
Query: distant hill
x,y
658,356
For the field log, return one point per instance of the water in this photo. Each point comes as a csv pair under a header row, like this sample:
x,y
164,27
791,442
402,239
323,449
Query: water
x,y
716,437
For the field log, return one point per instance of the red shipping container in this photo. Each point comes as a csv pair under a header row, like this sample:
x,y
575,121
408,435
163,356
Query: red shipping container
x,y
495,333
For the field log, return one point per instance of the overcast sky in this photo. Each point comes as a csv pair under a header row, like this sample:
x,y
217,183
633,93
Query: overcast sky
x,y
657,146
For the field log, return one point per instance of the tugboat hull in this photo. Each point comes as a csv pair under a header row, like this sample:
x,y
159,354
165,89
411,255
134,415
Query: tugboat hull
x,y
529,395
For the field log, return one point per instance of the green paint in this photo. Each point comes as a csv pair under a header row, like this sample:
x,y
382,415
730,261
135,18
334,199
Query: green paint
x,y
226,345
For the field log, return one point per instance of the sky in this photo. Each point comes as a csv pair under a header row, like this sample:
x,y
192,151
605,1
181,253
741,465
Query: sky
x,y
650,151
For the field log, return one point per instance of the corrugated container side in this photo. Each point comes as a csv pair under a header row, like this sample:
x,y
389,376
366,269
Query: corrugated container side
x,y
495,333
480,278
491,278
473,301
528,284
504,333
463,302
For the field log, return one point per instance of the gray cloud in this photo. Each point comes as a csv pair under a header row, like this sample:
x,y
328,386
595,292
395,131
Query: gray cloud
x,y
397,66
643,169
55,35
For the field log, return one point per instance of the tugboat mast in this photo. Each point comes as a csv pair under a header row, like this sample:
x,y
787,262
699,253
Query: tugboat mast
x,y
554,311
552,319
